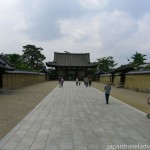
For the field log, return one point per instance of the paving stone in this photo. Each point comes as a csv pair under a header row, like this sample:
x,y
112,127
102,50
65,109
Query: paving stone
x,y
38,146
77,118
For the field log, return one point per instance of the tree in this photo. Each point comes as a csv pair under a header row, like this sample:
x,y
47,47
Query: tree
x,y
138,59
14,59
33,57
106,64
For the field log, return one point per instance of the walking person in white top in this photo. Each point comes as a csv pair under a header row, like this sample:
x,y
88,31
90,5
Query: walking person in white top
x,y
77,81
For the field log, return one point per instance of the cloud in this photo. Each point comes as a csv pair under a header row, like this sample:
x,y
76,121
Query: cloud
x,y
135,8
93,4
73,29
142,36
100,27
113,33
22,25
43,17
115,27
7,2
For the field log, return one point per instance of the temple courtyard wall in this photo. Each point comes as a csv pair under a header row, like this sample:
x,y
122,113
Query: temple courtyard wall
x,y
14,80
139,81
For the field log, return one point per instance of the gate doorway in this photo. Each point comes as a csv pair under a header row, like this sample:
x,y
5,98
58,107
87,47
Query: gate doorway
x,y
71,75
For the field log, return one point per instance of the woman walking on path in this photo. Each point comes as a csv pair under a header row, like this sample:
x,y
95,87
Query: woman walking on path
x,y
107,89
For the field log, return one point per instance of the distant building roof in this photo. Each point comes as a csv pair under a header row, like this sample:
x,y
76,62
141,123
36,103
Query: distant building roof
x,y
7,68
71,59
4,65
124,68
139,72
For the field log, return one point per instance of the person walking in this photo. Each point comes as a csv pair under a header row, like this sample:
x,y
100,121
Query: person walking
x,y
62,82
90,81
59,81
77,81
86,82
107,89
148,102
148,99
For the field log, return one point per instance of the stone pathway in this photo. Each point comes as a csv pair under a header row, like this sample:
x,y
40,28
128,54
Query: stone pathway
x,y
77,118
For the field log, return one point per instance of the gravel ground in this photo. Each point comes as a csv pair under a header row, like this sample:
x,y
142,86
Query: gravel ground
x,y
16,105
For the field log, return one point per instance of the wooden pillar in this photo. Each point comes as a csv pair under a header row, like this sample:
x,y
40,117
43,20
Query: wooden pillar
x,y
57,73
86,72
66,73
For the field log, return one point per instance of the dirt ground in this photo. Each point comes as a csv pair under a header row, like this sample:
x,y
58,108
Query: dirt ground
x,y
16,105
128,96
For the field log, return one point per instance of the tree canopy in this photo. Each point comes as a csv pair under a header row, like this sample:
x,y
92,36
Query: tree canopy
x,y
33,57
106,64
137,60
13,59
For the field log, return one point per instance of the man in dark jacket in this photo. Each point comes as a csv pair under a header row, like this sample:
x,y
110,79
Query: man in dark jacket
x,y
107,89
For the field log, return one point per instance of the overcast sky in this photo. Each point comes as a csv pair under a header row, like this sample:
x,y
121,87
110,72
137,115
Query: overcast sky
x,y
102,28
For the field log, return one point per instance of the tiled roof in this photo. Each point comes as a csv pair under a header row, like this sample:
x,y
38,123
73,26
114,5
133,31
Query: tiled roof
x,y
124,68
4,65
139,72
7,68
71,59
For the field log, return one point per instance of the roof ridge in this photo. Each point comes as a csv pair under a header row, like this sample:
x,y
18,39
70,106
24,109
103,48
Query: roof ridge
x,y
71,53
